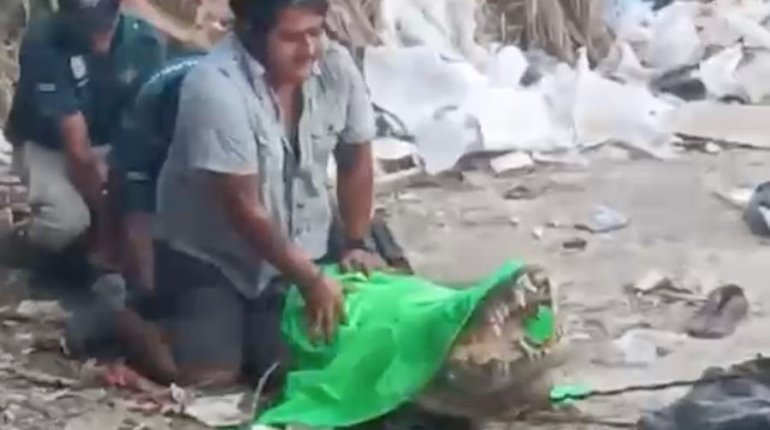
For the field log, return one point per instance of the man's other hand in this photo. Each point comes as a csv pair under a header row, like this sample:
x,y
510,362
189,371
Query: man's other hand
x,y
361,260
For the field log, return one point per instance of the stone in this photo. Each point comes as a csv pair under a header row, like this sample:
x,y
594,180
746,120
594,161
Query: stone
x,y
575,244
521,192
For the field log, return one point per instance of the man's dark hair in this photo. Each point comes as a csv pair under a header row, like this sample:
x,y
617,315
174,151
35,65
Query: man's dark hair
x,y
255,18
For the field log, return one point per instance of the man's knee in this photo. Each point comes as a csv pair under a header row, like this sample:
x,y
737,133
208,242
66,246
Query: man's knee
x,y
59,213
58,224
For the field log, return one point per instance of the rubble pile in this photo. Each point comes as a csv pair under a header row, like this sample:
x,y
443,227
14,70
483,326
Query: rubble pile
x,y
13,17
666,80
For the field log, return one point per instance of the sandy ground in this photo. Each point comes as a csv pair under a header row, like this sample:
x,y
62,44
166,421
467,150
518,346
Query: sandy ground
x,y
678,227
459,232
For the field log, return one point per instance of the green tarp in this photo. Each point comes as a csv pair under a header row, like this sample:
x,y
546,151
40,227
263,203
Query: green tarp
x,y
398,332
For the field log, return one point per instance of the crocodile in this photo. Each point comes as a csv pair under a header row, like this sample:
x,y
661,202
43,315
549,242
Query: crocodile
x,y
495,370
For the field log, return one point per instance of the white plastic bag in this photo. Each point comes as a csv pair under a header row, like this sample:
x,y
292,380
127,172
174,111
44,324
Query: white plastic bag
x,y
675,41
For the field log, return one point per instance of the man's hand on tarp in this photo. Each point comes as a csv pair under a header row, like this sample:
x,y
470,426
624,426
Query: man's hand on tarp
x,y
361,260
324,307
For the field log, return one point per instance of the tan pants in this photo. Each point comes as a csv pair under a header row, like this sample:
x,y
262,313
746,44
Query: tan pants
x,y
59,213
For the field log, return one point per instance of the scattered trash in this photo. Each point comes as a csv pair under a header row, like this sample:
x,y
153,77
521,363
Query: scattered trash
x,y
507,67
392,149
604,220
569,158
444,139
513,162
718,73
682,83
757,213
639,348
652,280
725,307
661,287
102,418
738,198
627,113
218,411
737,398
575,244
751,73
42,311
743,125
43,379
538,232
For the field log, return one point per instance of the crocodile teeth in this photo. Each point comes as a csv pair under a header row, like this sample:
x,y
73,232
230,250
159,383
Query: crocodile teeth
x,y
520,298
528,283
506,310
497,330
500,315
528,350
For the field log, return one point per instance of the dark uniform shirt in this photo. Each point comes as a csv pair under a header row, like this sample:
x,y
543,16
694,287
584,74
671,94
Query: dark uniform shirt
x,y
146,131
59,76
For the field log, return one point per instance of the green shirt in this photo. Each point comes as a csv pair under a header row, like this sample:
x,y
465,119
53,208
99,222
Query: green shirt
x,y
60,77
147,127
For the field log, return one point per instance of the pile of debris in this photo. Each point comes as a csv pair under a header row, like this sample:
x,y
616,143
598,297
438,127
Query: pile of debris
x,y
13,19
663,86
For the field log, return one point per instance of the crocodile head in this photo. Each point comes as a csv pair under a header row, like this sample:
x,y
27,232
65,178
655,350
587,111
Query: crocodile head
x,y
499,366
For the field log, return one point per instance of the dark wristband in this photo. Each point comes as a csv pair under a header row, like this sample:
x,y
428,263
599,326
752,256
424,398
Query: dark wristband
x,y
352,244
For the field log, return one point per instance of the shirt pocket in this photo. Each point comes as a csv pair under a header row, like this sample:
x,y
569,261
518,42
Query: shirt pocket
x,y
323,139
270,168
327,122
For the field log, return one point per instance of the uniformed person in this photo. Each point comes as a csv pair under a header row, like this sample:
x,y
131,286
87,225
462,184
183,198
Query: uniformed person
x,y
243,204
138,153
79,68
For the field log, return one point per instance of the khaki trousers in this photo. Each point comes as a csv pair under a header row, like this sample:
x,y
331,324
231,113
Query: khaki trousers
x,y
59,213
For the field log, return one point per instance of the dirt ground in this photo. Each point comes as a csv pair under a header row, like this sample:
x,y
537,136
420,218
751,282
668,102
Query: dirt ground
x,y
461,231
677,227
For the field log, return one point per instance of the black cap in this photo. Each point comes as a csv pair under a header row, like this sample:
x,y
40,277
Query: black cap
x,y
92,15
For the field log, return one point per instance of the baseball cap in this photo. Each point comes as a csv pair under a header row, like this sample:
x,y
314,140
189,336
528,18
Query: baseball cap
x,y
91,15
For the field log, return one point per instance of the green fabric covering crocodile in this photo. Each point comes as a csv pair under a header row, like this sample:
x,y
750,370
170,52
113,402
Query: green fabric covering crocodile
x,y
398,332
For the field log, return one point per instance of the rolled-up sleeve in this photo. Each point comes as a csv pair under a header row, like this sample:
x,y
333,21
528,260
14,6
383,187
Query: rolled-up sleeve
x,y
359,114
136,152
212,125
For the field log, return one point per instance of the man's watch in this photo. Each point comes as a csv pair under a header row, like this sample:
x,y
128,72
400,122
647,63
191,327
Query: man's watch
x,y
352,244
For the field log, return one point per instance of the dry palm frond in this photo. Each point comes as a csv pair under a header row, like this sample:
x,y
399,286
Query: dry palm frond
x,y
355,22
193,23
559,27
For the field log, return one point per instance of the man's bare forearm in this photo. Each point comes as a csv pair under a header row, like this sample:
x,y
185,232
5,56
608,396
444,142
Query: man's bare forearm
x,y
138,260
355,189
251,220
